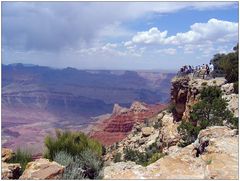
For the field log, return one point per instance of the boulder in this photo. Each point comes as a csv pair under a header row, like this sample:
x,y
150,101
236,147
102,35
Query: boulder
x,y
227,88
11,170
169,132
6,154
42,169
219,160
147,131
232,103
122,170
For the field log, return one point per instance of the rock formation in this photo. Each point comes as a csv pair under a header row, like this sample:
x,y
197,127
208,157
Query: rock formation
x,y
42,169
214,155
219,160
120,123
10,170
160,130
185,93
6,154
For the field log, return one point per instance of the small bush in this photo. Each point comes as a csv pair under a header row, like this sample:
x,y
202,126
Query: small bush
x,y
211,110
117,158
155,157
235,86
151,154
73,172
85,166
72,143
130,155
189,133
63,158
22,157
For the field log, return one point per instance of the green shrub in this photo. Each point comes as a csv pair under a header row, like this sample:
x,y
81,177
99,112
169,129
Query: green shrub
x,y
22,157
151,154
189,133
211,110
85,166
73,172
235,86
72,143
155,157
130,155
227,64
117,158
63,158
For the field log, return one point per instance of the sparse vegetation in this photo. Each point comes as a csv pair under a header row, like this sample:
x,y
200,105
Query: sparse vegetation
x,y
117,158
22,157
151,154
63,158
208,162
72,143
211,110
80,154
85,166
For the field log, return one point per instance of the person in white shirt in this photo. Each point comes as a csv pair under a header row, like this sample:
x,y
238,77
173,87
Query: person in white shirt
x,y
211,67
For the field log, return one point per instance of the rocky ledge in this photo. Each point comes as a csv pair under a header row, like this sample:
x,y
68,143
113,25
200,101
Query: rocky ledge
x,y
218,159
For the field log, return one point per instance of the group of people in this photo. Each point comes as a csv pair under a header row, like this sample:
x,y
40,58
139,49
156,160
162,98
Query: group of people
x,y
204,70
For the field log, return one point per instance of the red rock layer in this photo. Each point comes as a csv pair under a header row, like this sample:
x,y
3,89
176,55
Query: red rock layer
x,y
118,126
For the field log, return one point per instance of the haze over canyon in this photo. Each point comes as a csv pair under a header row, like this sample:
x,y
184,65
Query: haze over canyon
x,y
36,100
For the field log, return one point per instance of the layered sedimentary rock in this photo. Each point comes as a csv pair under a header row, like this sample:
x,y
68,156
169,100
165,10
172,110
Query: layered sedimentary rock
x,y
217,160
121,122
159,130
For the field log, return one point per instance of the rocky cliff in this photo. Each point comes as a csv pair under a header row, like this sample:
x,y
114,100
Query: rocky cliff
x,y
120,123
219,160
214,155
185,93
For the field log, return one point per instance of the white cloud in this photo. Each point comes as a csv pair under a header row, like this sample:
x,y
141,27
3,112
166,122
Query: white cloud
x,y
168,51
212,31
151,36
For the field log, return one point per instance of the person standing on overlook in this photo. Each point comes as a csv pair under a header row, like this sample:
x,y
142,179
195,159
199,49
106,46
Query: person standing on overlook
x,y
211,67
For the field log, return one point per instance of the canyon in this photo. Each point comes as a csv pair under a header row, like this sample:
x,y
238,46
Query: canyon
x,y
38,99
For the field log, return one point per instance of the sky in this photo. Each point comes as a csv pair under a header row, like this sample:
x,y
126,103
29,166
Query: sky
x,y
117,35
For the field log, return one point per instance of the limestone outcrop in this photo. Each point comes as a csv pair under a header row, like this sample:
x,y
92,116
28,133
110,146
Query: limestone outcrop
x,y
7,154
218,160
185,93
42,169
160,130
10,170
